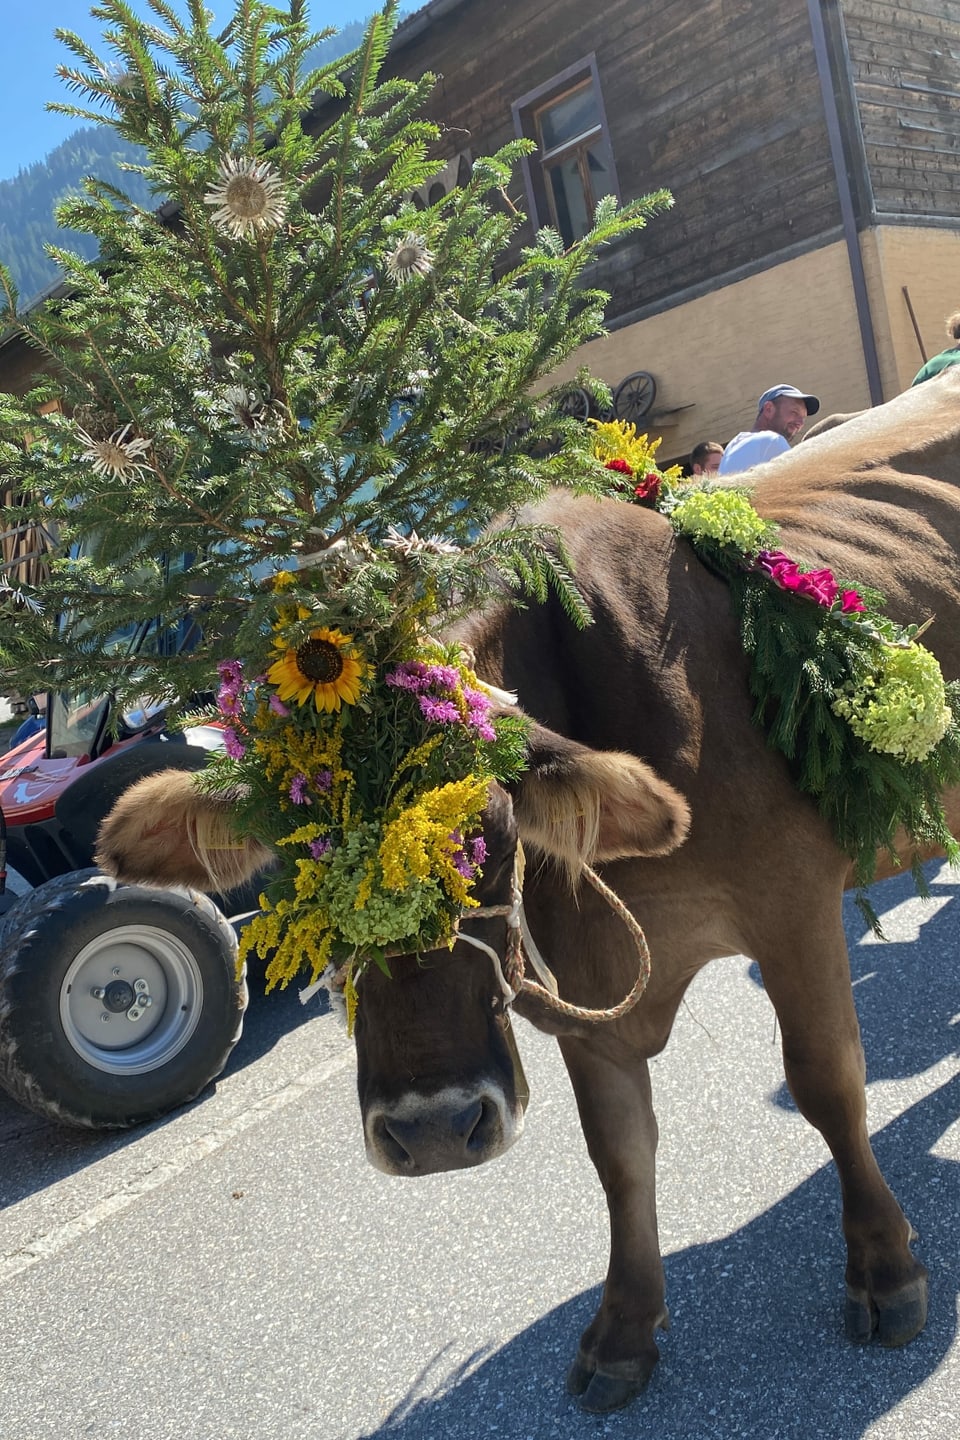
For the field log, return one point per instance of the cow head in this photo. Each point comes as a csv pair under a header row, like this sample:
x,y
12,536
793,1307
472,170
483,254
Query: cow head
x,y
439,1081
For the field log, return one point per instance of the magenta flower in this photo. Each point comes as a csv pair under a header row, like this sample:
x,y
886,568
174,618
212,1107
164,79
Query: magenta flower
x,y
228,701
232,743
851,602
298,790
818,585
321,847
440,712
277,706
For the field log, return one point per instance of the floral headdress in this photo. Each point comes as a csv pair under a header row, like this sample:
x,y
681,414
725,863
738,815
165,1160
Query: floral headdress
x,y
364,759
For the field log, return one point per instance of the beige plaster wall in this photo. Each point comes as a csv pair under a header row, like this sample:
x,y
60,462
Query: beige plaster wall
x,y
713,356
927,261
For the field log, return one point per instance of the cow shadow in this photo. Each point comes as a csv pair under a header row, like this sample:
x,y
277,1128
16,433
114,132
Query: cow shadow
x,y
756,1348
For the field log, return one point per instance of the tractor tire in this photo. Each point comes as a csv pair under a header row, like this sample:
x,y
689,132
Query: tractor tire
x,y
118,1003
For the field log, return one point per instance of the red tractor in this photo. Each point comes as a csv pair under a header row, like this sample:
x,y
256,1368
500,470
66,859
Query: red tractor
x,y
117,1002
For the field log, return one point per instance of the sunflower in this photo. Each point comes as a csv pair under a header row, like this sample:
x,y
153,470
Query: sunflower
x,y
323,666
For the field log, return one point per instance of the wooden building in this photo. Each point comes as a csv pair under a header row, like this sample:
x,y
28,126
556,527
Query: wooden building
x,y
813,151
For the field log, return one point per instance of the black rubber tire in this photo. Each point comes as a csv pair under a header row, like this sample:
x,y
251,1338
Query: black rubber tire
x,y
173,947
34,902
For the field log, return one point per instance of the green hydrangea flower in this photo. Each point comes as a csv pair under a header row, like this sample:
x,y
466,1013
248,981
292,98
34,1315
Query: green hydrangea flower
x,y
725,516
902,709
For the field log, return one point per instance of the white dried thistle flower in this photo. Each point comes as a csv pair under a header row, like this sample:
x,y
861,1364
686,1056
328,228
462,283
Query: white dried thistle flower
x,y
244,407
248,197
115,456
408,545
410,258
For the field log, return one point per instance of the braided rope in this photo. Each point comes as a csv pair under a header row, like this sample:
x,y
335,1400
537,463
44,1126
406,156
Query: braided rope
x,y
513,967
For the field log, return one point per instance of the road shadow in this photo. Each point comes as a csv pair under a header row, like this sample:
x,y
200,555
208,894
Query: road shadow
x,y
756,1348
36,1153
906,989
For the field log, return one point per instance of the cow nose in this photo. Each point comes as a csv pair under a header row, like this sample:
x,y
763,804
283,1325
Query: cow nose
x,y
438,1133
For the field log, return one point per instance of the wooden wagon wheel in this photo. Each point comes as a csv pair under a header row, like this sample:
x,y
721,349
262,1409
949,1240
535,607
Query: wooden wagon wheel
x,y
574,403
634,396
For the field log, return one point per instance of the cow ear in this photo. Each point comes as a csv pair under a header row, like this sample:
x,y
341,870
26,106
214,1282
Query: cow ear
x,y
580,805
164,831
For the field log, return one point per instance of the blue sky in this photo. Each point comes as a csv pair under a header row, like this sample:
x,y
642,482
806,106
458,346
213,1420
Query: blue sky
x,y
27,130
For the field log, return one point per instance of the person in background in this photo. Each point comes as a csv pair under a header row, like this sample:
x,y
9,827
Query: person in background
x,y
950,356
705,457
36,720
781,414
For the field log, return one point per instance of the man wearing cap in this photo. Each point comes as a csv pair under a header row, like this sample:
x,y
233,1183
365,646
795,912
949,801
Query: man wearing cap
x,y
782,412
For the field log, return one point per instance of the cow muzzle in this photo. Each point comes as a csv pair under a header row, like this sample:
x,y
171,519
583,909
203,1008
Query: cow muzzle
x,y
453,1129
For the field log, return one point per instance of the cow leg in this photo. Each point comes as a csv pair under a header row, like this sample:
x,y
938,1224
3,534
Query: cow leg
x,y
809,985
617,1350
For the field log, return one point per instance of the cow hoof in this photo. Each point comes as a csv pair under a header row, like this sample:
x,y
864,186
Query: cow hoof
x,y
599,1391
893,1320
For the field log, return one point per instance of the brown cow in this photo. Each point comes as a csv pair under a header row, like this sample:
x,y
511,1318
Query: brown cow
x,y
661,674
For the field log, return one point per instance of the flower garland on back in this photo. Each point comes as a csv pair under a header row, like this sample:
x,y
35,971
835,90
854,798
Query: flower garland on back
x,y
854,702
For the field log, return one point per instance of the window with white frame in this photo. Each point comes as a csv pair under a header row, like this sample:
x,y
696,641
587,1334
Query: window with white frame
x,y
573,165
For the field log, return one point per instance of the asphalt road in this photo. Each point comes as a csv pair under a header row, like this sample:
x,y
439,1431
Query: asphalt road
x,y
240,1271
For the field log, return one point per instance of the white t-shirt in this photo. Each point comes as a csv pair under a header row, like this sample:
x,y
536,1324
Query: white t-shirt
x,y
749,448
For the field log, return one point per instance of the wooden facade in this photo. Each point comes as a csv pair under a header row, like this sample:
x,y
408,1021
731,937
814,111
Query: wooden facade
x,y
790,135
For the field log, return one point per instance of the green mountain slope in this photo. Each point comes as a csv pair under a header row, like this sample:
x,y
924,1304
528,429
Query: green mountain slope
x,y
28,201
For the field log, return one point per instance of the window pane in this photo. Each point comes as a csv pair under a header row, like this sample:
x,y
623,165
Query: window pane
x,y
570,203
572,116
598,164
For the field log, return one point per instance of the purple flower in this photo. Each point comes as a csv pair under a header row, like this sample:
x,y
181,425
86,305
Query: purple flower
x,y
231,673
228,701
478,850
459,856
233,744
441,712
442,676
298,790
321,847
409,675
277,705
477,720
324,781
476,699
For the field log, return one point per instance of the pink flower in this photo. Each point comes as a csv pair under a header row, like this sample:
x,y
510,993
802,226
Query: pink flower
x,y
818,585
441,712
277,705
233,744
851,602
231,673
